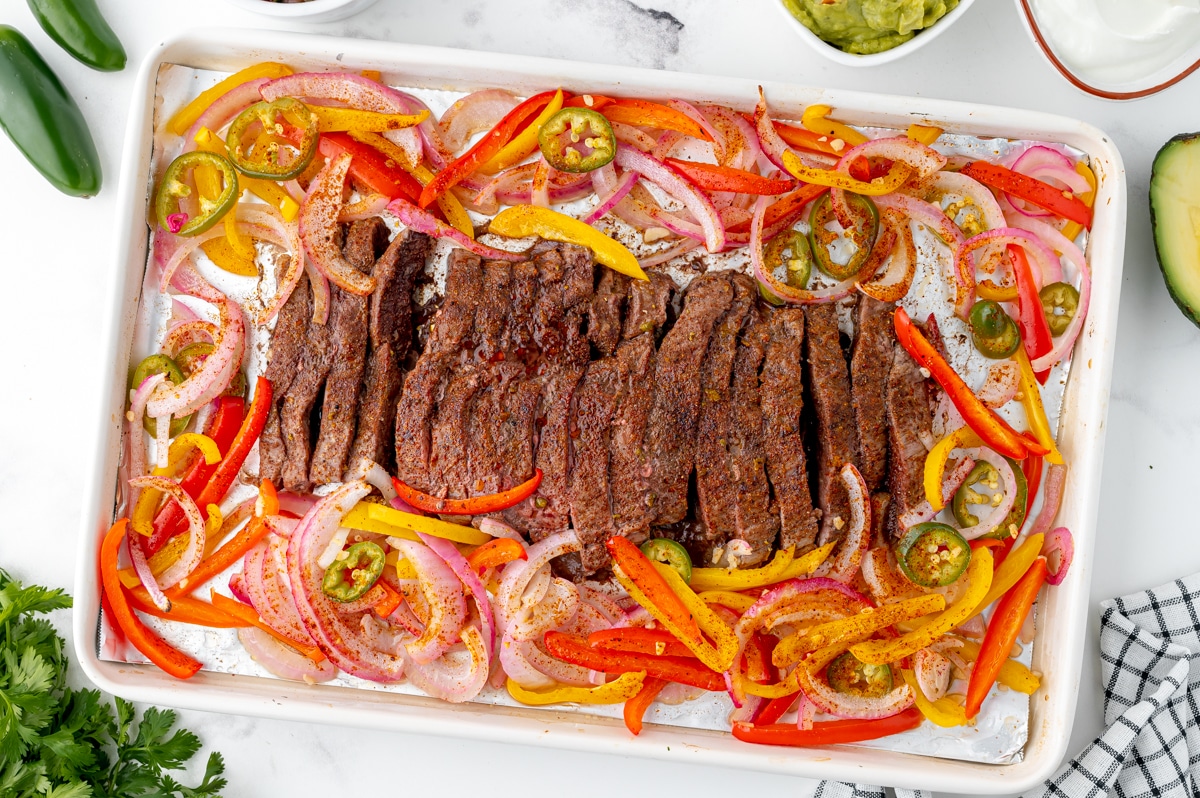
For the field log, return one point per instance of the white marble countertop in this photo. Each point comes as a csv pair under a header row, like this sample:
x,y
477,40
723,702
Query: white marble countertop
x,y
52,358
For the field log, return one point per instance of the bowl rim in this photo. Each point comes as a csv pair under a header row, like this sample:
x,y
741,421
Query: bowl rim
x,y
307,8
1080,83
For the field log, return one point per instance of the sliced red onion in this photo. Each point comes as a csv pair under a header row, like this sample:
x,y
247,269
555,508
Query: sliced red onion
x,y
681,189
178,571
141,566
436,151
321,295
182,252
474,113
974,627
981,197
787,293
628,134
505,181
499,529
558,190
806,711
1003,380
459,674
999,512
282,661
135,432
933,673
923,160
404,507
845,564
238,588
735,149
336,544
466,574
186,333
1056,478
510,598
375,476
295,503
224,109
516,663
424,222
603,603
556,608
1059,551
669,254
693,113
444,596
1044,163
924,511
319,230
371,205
280,606
768,137
343,87
364,603
844,705
609,190
539,192
893,284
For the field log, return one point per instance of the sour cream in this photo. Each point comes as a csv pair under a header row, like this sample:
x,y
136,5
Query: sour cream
x,y
1118,41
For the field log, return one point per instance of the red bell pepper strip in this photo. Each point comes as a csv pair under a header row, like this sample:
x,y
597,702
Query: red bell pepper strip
x,y
495,553
711,177
478,505
656,642
775,709
835,732
1002,632
247,435
758,659
226,420
389,604
222,558
597,101
994,430
635,708
1035,330
786,209
576,651
1056,200
491,143
170,659
643,113
371,168
1032,468
638,568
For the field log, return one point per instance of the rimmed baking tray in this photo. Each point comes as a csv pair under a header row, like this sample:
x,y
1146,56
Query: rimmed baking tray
x,y
1058,654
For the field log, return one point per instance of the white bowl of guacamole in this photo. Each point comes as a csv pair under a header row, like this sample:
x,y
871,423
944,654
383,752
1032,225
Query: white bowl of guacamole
x,y
869,32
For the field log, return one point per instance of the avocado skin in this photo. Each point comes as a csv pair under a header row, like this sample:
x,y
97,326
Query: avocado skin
x,y
1182,139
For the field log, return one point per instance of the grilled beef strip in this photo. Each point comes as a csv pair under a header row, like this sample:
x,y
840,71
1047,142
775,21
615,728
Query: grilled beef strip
x,y
287,349
391,328
646,311
870,362
591,511
450,442
350,324
757,521
671,430
909,426
781,392
604,314
490,318
829,382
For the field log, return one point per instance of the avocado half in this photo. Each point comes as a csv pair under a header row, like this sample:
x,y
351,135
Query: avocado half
x,y
1175,219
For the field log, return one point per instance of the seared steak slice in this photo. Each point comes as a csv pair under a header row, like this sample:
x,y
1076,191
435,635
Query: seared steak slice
x,y
523,289
909,426
604,315
671,431
578,274
450,441
757,521
716,482
493,312
591,512
515,432
301,398
647,306
781,391
488,425
287,348
829,382
870,362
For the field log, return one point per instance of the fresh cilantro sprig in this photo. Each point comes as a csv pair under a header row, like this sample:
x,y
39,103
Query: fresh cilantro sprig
x,y
56,742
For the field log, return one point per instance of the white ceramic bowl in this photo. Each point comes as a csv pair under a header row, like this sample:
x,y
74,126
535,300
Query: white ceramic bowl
x,y
875,59
307,11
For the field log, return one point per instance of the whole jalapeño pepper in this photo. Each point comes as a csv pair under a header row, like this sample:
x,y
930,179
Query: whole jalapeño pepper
x,y
78,27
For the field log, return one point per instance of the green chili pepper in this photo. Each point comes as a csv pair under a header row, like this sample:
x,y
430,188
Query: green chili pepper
x,y
43,121
175,186
933,554
260,143
192,356
669,553
1060,301
349,577
994,332
577,140
79,28
790,251
160,364
966,495
861,234
847,674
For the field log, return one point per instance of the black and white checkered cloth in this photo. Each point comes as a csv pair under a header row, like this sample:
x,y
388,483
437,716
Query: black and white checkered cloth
x,y
1150,665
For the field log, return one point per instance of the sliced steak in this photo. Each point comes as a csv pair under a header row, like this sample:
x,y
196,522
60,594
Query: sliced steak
x,y
647,306
829,382
781,391
757,520
604,314
516,431
287,348
870,362
296,414
493,312
909,426
488,425
450,440
519,333
591,512
671,430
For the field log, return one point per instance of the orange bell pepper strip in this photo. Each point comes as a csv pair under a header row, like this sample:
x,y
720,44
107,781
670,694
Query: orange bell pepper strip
x,y
222,558
184,609
525,142
576,651
267,502
495,553
805,139
170,659
635,708
185,117
492,142
478,505
993,430
593,101
389,604
834,732
1002,632
632,568
249,617
712,177
644,113
1060,202
657,642
786,209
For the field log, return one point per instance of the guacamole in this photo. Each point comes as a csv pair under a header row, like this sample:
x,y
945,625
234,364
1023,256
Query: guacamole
x,y
868,26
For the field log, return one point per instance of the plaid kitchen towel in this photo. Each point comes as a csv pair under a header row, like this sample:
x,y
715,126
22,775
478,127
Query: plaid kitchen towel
x,y
1150,665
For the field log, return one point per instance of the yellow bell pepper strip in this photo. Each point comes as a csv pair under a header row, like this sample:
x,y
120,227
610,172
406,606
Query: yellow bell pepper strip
x,y
734,579
993,430
943,712
717,655
222,253
1010,571
988,289
806,563
381,520
404,569
185,117
623,688
372,74
242,245
979,581
1035,412
926,134
1002,632
1072,229
529,220
734,601
333,120
181,447
895,177
935,462
525,142
816,119
1013,675
853,629
265,190
648,587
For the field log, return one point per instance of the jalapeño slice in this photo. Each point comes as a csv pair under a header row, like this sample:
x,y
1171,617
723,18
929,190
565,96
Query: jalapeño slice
x,y
847,674
994,332
1060,301
790,252
192,356
160,364
577,140
826,242
669,553
933,554
176,185
349,577
966,496
273,140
